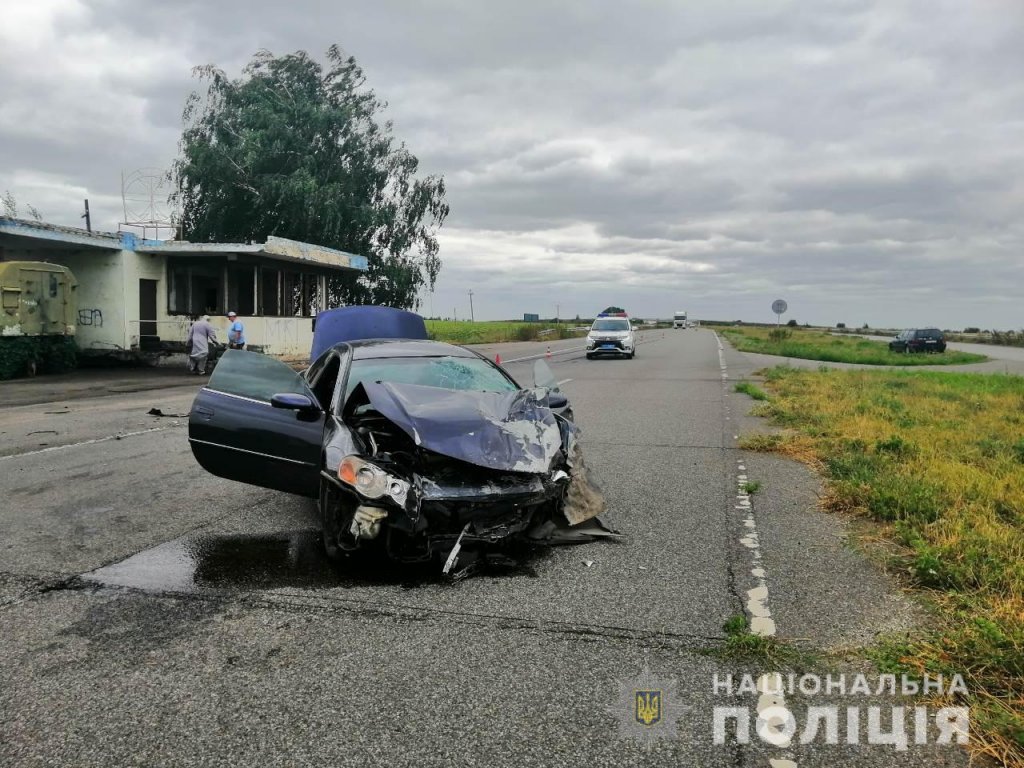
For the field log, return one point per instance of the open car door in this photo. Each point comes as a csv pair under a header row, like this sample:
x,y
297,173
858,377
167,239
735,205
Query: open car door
x,y
256,421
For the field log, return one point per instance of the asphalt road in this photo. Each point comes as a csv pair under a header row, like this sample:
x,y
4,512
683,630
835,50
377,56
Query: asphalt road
x,y
155,615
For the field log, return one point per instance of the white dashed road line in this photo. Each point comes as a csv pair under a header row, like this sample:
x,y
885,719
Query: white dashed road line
x,y
761,621
772,713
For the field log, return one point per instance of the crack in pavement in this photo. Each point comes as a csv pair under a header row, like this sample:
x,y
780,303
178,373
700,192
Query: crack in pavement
x,y
304,603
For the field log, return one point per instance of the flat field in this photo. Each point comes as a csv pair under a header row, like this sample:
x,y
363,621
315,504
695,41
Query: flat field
x,y
815,345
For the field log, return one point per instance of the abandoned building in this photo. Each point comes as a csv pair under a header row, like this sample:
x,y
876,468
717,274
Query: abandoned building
x,y
137,296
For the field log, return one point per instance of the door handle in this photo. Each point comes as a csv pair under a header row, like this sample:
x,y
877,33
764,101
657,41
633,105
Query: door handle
x,y
203,413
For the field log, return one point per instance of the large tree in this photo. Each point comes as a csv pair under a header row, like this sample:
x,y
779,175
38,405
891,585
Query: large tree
x,y
294,148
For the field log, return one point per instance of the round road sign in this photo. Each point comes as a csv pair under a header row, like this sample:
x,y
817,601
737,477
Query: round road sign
x,y
779,307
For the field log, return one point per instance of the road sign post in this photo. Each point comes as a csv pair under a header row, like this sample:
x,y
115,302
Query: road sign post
x,y
779,307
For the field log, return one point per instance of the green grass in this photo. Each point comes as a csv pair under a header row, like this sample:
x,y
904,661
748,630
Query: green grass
x,y
468,332
752,390
815,345
766,652
937,460
751,486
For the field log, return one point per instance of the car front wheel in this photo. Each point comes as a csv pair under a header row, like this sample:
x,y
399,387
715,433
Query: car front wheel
x,y
330,519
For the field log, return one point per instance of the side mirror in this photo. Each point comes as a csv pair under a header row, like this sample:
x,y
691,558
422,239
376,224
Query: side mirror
x,y
293,401
556,401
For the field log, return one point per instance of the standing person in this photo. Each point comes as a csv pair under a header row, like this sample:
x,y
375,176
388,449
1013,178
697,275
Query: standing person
x,y
200,336
236,332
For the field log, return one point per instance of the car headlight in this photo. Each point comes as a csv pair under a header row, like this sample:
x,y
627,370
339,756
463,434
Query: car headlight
x,y
371,481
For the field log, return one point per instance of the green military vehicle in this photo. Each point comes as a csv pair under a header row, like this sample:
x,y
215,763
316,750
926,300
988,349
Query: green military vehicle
x,y
37,318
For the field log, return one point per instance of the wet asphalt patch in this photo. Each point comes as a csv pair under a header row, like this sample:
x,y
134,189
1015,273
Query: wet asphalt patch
x,y
291,559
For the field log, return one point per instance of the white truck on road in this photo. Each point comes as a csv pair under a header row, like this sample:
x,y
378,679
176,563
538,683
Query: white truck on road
x,y
679,319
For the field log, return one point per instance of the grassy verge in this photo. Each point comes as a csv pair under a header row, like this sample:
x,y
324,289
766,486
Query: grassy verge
x,y
468,332
751,390
815,345
938,460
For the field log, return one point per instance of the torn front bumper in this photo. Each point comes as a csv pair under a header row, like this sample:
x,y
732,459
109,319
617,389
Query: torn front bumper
x,y
483,507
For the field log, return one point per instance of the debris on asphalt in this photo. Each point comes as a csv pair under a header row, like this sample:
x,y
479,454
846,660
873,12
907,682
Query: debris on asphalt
x,y
158,412
553,533
454,555
583,500
588,563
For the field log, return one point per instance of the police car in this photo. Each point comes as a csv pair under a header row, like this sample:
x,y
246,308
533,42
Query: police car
x,y
611,334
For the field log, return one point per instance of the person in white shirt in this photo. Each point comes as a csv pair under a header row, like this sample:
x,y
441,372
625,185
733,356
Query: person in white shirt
x,y
236,332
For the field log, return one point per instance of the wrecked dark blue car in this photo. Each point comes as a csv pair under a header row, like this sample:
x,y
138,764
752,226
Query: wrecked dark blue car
x,y
412,445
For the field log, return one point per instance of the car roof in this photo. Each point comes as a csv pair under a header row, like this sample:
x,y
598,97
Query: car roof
x,y
371,348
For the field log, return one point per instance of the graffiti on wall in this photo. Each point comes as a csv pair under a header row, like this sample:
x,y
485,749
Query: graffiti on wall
x,y
91,317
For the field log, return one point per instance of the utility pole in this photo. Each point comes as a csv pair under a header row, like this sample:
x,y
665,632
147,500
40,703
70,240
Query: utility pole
x,y
88,219
558,310
472,317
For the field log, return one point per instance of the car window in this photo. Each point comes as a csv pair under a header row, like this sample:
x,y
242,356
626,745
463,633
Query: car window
x,y
610,324
250,374
325,380
316,368
467,373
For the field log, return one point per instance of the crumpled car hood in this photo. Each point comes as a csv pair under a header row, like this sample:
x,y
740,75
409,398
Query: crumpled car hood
x,y
509,431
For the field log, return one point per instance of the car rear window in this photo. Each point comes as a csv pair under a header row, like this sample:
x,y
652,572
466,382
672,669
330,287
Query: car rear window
x,y
929,333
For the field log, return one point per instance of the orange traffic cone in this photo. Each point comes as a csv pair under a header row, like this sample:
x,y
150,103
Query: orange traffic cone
x,y
497,359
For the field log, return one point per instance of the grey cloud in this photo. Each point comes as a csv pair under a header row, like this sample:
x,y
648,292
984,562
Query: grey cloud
x,y
924,194
840,152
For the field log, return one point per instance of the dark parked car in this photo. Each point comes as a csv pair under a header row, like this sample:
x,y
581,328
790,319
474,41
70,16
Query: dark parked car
x,y
919,340
416,445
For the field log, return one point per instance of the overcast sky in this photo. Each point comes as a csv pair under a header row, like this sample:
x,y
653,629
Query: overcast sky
x,y
862,160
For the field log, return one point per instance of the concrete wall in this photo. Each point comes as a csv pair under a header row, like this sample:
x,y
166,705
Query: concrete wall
x,y
100,293
289,337
283,336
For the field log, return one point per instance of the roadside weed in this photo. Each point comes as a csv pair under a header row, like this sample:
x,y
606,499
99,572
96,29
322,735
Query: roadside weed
x,y
766,652
935,458
752,390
